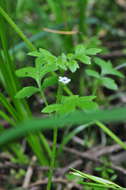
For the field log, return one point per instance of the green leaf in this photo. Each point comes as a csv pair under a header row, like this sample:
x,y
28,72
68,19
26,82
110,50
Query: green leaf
x,y
53,122
49,81
95,178
68,103
26,92
87,98
51,108
93,42
92,51
45,53
84,59
71,99
62,61
71,103
67,108
73,65
80,54
109,83
117,73
42,71
45,57
34,53
88,105
80,49
92,73
97,186
70,56
27,72
106,67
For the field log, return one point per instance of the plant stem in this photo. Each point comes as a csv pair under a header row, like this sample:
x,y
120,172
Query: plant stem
x,y
95,87
43,97
59,93
67,90
42,93
111,134
55,135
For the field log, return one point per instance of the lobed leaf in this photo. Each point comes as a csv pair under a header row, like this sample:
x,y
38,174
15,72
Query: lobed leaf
x,y
106,67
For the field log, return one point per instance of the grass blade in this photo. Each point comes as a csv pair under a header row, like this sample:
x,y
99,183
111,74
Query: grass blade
x,y
75,118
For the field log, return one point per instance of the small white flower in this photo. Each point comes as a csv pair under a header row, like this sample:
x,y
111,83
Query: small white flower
x,y
64,80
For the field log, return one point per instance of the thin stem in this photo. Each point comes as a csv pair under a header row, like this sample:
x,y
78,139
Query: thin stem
x,y
42,93
55,135
17,29
67,90
111,134
43,97
59,93
95,87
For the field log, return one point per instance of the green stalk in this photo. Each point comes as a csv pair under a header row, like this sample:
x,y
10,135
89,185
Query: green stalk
x,y
55,135
17,29
43,97
43,139
67,90
42,93
111,134
95,87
